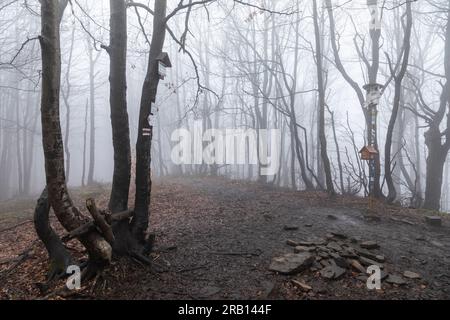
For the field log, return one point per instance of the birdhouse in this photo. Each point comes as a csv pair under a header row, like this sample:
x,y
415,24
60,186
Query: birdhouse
x,y
163,64
368,153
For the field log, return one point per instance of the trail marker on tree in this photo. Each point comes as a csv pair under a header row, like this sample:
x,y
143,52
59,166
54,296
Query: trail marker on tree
x,y
375,22
163,64
370,152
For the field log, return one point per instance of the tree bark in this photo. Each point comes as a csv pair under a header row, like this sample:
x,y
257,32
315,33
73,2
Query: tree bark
x,y
392,193
321,105
60,258
118,101
69,216
438,151
143,144
119,122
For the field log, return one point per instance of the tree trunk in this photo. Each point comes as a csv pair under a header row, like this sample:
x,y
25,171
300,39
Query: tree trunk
x,y
60,258
435,170
66,97
83,171
118,100
392,194
321,113
70,217
92,61
437,152
143,145
117,50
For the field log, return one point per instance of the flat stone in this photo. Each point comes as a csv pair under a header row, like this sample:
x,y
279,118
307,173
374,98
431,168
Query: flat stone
x,y
370,245
357,266
291,263
329,237
335,246
325,262
354,240
433,221
339,235
411,275
332,217
299,249
393,279
341,262
332,272
301,285
323,248
323,254
368,262
306,244
320,242
290,228
348,253
367,254
380,258
292,243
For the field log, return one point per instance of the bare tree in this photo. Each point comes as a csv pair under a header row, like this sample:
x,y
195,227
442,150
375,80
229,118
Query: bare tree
x,y
438,150
119,120
398,79
321,89
70,217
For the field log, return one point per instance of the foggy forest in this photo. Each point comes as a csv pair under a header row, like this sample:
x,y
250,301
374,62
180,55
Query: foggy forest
x,y
224,149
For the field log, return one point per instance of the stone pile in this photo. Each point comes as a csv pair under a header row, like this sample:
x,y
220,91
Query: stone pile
x,y
335,256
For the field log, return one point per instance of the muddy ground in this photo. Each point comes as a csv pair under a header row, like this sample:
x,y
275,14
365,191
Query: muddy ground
x,y
216,239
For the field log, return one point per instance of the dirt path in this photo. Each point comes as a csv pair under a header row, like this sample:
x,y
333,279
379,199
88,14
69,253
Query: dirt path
x,y
216,239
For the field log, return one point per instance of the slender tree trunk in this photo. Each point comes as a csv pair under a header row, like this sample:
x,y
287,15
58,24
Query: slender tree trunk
x,y
438,151
392,195
66,97
117,50
321,113
70,217
143,145
18,149
118,100
92,61
60,258
83,171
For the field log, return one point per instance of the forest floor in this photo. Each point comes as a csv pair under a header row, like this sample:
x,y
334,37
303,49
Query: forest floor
x,y
215,239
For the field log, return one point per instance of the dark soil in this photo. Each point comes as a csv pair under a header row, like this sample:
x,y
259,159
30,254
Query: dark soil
x,y
216,239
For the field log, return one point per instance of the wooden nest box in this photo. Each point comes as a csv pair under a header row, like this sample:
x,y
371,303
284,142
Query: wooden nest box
x,y
368,153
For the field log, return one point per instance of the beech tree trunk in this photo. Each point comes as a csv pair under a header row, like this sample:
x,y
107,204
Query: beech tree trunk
x,y
69,216
119,121
60,258
144,143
